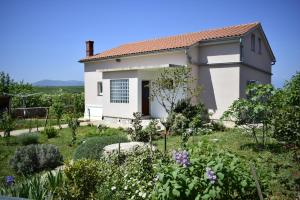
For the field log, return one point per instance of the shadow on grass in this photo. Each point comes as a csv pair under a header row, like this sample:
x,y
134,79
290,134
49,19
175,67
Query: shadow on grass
x,y
275,148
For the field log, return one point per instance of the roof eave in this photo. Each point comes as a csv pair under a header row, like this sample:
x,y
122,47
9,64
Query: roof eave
x,y
86,60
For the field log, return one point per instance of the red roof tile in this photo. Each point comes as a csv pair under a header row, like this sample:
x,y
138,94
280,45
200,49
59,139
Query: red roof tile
x,y
172,42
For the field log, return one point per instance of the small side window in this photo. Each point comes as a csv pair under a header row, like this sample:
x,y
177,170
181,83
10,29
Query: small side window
x,y
259,45
252,42
99,88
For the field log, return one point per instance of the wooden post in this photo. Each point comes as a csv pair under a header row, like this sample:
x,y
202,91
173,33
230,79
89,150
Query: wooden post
x,y
253,171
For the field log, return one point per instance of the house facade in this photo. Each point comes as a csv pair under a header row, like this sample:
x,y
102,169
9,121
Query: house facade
x,y
223,62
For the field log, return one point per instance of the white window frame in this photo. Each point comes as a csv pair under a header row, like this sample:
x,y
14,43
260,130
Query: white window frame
x,y
100,88
119,90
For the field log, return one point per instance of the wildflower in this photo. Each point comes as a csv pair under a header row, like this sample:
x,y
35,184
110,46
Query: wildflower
x,y
113,188
211,175
182,158
9,180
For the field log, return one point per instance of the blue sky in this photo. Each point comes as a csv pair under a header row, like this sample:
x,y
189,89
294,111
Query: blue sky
x,y
45,39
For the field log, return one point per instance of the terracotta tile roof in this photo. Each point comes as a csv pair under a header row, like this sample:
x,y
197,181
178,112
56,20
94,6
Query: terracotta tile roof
x,y
172,42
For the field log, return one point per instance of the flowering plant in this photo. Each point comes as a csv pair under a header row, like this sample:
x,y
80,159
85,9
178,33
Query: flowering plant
x,y
181,158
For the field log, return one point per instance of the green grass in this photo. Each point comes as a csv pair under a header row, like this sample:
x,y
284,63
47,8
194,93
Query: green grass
x,y
55,89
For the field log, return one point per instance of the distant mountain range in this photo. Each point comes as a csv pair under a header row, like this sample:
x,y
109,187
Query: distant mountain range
x,y
58,83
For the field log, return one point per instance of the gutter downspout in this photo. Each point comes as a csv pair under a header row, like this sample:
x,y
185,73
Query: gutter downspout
x,y
241,50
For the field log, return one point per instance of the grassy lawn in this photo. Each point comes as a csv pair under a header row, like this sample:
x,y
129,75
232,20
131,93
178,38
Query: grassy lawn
x,y
9,145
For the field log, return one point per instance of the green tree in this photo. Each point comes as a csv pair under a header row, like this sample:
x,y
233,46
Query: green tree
x,y
171,85
253,112
286,112
5,82
57,109
7,123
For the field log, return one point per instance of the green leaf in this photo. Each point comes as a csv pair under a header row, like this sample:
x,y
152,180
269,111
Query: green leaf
x,y
175,192
244,183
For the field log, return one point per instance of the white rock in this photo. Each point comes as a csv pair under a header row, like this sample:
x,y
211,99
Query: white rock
x,y
125,147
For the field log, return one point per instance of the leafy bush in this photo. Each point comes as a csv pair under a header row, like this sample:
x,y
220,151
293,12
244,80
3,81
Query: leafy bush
x,y
180,124
33,158
83,176
217,126
208,174
136,132
134,179
92,148
50,131
286,115
30,138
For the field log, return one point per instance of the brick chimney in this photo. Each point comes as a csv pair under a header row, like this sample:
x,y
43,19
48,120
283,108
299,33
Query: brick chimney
x,y
89,48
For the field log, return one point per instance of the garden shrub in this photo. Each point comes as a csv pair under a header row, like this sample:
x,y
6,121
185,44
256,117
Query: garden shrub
x,y
180,124
83,176
134,179
33,158
50,131
205,173
92,148
136,132
29,138
217,126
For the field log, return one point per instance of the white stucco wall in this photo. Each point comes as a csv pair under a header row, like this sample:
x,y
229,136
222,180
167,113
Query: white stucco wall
x,y
219,53
220,87
263,60
248,73
93,102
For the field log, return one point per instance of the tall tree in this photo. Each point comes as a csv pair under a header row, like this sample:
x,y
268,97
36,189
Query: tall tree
x,y
170,86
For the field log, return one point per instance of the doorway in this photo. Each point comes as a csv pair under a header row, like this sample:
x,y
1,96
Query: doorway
x,y
145,98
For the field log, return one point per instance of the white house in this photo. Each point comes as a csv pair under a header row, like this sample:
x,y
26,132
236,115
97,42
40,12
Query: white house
x,y
223,62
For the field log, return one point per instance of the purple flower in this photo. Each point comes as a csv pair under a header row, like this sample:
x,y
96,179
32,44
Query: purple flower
x,y
181,158
9,180
211,175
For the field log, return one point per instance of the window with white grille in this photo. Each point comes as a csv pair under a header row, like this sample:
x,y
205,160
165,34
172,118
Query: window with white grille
x,y
119,91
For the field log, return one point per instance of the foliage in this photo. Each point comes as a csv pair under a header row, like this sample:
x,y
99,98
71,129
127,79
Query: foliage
x,y
57,109
73,124
136,132
286,115
180,124
37,187
33,158
211,174
7,123
83,176
92,148
217,126
50,131
5,82
253,111
134,179
29,138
